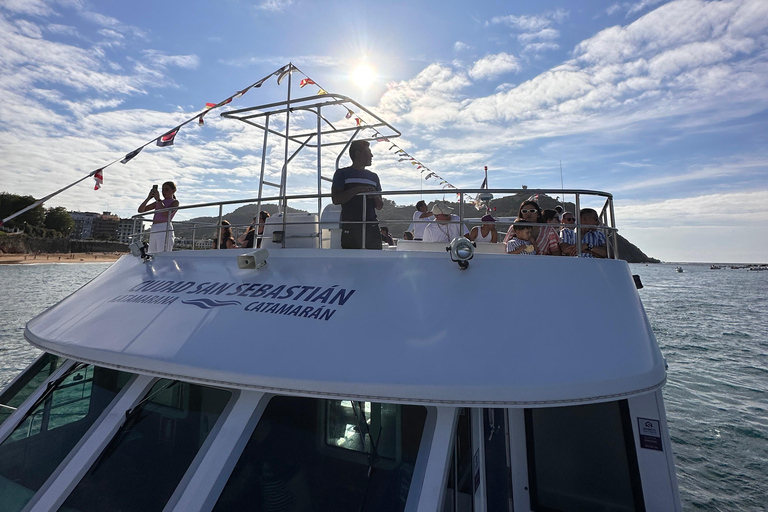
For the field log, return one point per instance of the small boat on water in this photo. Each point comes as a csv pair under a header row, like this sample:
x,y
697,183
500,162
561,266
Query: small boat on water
x,y
678,269
715,267
300,376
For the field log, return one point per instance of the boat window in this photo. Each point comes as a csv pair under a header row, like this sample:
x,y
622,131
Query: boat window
x,y
15,394
498,463
327,455
582,458
142,465
459,495
53,426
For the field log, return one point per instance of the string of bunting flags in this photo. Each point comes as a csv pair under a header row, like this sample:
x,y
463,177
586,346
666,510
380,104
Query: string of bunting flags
x,y
168,139
426,173
164,140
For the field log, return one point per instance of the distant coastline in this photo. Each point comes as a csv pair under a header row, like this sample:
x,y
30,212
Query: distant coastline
x,y
74,257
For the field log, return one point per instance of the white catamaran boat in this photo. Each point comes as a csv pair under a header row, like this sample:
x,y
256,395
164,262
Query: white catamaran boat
x,y
265,379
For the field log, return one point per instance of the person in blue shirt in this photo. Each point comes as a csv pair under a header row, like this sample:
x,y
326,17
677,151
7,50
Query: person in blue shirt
x,y
348,184
593,241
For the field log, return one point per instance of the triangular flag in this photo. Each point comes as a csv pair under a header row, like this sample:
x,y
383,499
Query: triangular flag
x,y
167,139
358,121
99,177
210,105
130,156
284,71
349,114
321,92
306,81
200,121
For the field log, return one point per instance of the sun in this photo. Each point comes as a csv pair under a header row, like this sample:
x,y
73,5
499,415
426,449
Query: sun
x,y
363,75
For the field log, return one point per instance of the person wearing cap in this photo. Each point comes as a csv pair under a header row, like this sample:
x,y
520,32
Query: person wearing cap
x,y
348,184
421,217
445,227
486,232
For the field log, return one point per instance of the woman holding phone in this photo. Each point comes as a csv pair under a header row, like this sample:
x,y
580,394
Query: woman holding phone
x,y
161,234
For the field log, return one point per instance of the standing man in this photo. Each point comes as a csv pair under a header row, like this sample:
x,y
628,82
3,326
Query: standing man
x,y
348,183
421,218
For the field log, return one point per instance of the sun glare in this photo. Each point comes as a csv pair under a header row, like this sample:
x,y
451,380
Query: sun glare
x,y
363,75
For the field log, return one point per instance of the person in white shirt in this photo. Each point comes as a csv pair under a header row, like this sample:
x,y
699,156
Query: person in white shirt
x,y
445,227
421,217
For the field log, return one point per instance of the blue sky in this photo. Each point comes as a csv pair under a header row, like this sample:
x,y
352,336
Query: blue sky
x,y
662,104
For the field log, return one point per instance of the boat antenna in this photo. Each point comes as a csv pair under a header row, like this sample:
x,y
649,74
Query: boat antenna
x,y
562,187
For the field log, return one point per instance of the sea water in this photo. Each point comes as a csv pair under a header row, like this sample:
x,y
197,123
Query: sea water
x,y
711,325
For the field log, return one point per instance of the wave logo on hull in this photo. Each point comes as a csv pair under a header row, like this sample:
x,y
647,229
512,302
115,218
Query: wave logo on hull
x,y
210,304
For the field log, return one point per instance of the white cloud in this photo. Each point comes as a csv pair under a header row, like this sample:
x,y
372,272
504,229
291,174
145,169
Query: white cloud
x,y
525,23
278,61
492,66
274,5
182,61
29,29
546,34
539,47
32,7
460,47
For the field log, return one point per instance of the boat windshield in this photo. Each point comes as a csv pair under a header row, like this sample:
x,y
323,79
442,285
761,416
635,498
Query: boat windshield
x,y
31,453
144,462
327,455
15,394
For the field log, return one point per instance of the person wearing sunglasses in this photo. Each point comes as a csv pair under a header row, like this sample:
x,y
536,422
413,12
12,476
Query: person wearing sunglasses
x,y
546,239
593,242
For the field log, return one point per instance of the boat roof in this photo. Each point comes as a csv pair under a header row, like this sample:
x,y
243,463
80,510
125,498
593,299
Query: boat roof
x,y
404,326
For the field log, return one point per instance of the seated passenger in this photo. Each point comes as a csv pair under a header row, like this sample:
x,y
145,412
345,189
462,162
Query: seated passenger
x,y
441,229
486,232
225,239
567,224
522,239
386,237
421,217
593,242
547,241
407,235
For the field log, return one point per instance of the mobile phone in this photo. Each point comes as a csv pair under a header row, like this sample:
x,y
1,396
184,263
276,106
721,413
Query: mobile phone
x,y
154,187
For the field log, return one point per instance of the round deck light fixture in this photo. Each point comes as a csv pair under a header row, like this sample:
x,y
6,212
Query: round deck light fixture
x,y
461,250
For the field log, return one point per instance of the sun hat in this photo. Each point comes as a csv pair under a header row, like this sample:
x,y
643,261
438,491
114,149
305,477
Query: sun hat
x,y
441,209
488,218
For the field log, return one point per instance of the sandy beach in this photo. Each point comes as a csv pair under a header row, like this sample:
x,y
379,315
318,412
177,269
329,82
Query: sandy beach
x,y
77,257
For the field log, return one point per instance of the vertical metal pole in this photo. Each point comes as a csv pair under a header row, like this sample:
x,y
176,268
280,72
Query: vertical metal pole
x,y
365,220
263,160
614,234
319,178
577,218
218,228
284,174
319,161
194,231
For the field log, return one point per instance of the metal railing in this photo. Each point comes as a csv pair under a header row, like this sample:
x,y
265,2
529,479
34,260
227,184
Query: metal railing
x,y
601,202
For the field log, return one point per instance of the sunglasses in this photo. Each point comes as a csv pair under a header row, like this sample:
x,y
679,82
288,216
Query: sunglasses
x,y
568,219
532,210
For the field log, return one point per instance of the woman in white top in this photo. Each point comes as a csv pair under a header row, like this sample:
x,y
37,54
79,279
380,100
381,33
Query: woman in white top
x,y
486,232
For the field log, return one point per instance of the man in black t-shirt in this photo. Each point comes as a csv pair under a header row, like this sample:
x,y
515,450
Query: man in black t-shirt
x,y
348,183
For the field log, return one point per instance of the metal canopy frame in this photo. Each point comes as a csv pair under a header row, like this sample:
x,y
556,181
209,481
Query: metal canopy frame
x,y
259,117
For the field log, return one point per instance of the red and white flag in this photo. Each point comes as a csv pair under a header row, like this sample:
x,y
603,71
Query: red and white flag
x,y
99,177
306,81
167,139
